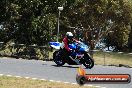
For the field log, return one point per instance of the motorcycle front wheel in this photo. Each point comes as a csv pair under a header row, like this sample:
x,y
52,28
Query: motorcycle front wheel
x,y
57,58
88,61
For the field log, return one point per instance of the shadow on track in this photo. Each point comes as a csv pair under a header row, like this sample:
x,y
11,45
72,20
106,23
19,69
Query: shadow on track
x,y
44,64
65,66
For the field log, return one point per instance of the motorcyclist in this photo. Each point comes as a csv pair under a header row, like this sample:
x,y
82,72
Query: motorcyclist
x,y
69,38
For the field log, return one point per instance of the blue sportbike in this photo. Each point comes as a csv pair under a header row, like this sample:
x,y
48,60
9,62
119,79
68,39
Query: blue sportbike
x,y
78,56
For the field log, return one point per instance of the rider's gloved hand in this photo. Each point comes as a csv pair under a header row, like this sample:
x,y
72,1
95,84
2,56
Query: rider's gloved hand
x,y
70,50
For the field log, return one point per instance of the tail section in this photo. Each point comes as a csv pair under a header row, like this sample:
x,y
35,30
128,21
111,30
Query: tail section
x,y
55,45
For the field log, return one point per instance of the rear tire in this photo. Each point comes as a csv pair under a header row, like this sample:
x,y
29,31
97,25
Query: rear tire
x,y
57,58
88,61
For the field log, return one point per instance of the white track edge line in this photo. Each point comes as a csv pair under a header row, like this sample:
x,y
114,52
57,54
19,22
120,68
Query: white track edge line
x,y
43,79
34,78
98,86
52,80
18,76
49,80
26,77
9,75
58,81
88,85
74,83
1,74
66,82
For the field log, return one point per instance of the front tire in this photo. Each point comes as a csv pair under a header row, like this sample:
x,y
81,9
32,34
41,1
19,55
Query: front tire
x,y
57,58
88,61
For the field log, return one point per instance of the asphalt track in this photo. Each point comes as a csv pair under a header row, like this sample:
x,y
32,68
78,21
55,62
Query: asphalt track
x,y
48,70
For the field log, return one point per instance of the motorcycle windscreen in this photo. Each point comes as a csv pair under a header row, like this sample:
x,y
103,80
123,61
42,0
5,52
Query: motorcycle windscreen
x,y
83,47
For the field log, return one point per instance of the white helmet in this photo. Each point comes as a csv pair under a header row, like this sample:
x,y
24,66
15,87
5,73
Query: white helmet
x,y
69,35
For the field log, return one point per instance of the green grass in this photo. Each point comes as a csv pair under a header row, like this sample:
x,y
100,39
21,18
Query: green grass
x,y
113,58
40,54
12,82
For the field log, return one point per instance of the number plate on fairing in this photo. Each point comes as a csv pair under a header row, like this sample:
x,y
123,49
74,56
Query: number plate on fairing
x,y
79,56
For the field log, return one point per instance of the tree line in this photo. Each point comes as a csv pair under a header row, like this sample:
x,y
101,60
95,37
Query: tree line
x,y
35,21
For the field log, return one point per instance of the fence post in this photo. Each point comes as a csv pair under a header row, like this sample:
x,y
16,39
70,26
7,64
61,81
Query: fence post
x,y
104,58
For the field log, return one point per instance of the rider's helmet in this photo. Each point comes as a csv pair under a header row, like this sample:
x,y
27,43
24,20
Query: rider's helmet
x,y
69,35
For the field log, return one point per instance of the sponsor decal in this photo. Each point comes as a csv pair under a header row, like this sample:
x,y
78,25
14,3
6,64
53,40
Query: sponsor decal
x,y
83,78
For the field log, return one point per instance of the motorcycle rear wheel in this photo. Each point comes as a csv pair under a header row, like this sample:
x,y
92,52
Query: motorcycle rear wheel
x,y
57,58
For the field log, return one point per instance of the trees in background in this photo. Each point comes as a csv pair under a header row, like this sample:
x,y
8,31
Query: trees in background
x,y
103,19
120,37
35,21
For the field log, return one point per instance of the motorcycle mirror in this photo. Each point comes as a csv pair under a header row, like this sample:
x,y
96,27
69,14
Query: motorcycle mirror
x,y
80,39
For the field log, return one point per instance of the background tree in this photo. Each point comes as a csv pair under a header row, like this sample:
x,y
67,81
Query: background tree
x,y
98,17
35,21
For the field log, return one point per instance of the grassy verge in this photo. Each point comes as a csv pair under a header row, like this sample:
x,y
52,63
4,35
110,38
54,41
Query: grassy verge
x,y
25,52
110,58
113,58
12,82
